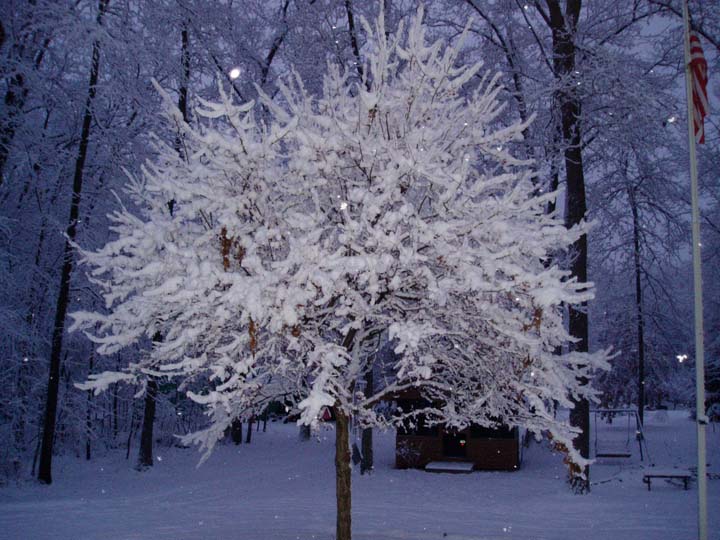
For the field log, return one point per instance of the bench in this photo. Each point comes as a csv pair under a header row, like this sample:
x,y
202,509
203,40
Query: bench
x,y
712,474
685,476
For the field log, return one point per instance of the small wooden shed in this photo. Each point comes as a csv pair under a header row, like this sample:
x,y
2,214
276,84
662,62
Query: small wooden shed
x,y
490,449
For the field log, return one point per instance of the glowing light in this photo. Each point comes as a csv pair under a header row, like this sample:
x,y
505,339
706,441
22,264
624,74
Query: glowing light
x,y
681,357
234,73
25,359
672,119
343,205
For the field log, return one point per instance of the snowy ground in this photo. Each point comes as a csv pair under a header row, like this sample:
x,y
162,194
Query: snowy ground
x,y
279,488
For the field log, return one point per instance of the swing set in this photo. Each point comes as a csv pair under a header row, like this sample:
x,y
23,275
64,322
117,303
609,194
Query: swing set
x,y
619,449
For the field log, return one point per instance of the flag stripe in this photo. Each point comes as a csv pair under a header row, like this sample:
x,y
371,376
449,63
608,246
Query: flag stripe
x,y
698,70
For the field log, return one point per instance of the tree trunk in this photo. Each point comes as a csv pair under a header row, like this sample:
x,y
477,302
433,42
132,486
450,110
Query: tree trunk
x,y
183,89
131,431
145,456
248,436
564,30
115,411
236,431
88,414
342,475
639,307
185,60
366,465
182,97
45,471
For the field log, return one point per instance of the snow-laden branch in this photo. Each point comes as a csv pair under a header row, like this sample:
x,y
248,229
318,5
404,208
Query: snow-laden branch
x,y
393,205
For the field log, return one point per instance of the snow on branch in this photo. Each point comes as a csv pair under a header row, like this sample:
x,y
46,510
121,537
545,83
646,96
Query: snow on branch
x,y
390,205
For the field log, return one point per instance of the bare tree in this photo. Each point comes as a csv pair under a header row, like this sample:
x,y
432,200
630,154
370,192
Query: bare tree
x,y
45,470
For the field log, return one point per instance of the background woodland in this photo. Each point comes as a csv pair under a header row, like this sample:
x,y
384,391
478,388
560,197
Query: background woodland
x,y
80,113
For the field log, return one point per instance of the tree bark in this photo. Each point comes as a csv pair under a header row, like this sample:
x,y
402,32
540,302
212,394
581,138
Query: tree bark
x,y
131,431
366,465
639,306
183,91
248,435
45,471
145,456
88,414
342,475
353,39
185,61
564,31
236,431
115,410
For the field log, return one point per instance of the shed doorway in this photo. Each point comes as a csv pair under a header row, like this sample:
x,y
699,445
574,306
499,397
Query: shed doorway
x,y
454,444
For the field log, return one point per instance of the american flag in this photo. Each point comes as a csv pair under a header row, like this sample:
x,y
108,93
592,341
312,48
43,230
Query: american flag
x,y
698,70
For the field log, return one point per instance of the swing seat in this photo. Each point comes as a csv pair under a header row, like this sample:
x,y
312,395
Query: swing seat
x,y
613,455
614,449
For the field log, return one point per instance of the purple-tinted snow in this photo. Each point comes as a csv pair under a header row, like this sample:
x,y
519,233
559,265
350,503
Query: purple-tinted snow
x,y
279,488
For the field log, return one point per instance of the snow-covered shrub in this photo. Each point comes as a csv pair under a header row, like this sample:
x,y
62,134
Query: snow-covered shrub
x,y
293,242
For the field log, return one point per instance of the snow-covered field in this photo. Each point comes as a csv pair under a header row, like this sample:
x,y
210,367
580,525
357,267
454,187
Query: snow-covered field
x,y
279,488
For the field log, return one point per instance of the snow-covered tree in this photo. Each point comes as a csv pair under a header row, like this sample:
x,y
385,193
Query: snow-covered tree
x,y
386,204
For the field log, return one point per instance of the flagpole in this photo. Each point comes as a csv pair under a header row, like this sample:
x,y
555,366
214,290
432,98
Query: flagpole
x,y
701,419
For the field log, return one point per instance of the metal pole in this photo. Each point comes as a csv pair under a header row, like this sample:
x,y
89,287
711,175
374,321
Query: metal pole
x,y
701,419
